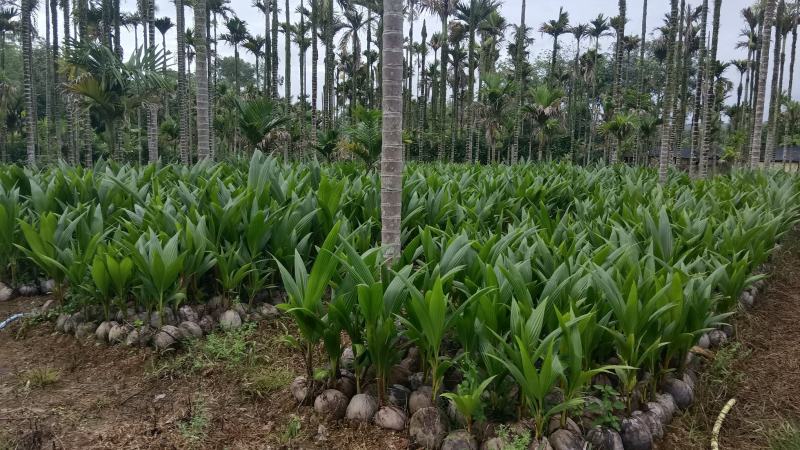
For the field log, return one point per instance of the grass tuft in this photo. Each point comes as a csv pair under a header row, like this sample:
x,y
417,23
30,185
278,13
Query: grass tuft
x,y
264,381
39,377
787,437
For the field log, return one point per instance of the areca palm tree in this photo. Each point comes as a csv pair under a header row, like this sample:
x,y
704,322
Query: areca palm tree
x,y
201,75
353,22
264,6
555,28
742,65
392,142
473,14
444,9
622,127
544,108
494,90
666,131
758,111
163,25
237,34
621,19
255,45
27,78
7,24
111,87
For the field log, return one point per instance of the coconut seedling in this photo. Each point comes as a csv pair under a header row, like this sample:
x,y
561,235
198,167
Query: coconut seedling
x,y
305,291
9,233
635,328
577,346
50,246
537,371
198,258
159,266
428,318
231,271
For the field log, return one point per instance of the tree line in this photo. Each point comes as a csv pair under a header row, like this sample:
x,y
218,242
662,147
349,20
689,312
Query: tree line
x,y
472,92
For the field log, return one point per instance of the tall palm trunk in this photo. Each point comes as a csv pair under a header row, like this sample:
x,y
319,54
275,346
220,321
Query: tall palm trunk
x,y
56,78
392,144
641,51
623,6
519,82
470,83
267,49
711,112
775,94
699,89
758,112
27,79
69,107
48,88
666,129
314,62
201,75
329,66
183,116
793,54
274,48
152,132
683,61
287,64
211,86
442,119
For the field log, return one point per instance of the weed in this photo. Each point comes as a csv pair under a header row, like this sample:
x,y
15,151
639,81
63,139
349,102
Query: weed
x,y
605,411
6,441
262,382
512,440
193,427
292,429
233,349
230,347
39,377
787,437
721,375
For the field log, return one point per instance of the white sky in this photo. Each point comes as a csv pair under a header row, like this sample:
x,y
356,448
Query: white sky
x,y
537,12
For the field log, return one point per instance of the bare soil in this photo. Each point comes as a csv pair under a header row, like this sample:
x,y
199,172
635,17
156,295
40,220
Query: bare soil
x,y
761,369
113,397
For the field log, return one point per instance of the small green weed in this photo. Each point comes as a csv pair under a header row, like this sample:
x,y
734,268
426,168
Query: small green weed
x,y
787,437
193,427
721,375
264,381
607,408
292,429
512,440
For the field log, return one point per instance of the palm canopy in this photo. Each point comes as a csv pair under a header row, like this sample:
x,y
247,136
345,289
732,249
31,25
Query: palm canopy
x,y
237,31
545,103
259,119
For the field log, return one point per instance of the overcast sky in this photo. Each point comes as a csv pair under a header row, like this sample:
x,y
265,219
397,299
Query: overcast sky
x,y
538,11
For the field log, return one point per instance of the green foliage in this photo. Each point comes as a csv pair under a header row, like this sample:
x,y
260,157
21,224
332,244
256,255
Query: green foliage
x,y
467,398
539,272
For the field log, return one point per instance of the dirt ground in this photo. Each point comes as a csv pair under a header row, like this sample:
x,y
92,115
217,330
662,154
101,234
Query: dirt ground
x,y
57,392
760,369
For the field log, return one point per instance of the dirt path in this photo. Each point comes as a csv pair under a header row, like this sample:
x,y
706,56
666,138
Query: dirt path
x,y
57,392
760,368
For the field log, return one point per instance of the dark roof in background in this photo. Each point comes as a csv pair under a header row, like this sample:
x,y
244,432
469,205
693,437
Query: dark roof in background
x,y
792,154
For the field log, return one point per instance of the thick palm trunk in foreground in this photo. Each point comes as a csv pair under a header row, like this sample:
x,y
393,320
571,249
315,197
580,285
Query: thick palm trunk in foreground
x,y
392,144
